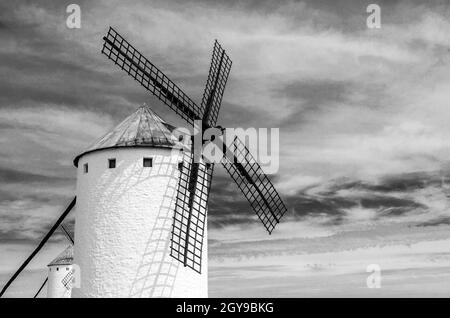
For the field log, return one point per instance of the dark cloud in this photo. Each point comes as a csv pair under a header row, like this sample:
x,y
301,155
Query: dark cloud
x,y
14,176
229,207
28,224
314,205
316,93
38,198
436,222
312,97
392,196
405,182
232,115
30,237
411,181
18,186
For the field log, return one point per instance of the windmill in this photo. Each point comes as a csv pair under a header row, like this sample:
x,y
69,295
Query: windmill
x,y
193,178
196,177
60,275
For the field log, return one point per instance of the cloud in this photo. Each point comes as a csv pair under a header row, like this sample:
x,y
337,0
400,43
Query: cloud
x,y
437,222
417,269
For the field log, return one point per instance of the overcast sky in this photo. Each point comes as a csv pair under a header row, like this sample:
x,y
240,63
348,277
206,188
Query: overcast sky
x,y
363,117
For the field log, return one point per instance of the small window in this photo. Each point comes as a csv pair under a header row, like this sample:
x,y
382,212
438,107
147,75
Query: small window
x,y
57,269
148,162
112,163
85,168
180,166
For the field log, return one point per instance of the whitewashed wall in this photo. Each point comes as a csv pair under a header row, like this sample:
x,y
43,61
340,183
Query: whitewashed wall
x,y
55,286
123,225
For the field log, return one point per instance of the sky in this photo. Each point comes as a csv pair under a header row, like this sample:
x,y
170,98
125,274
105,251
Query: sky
x,y
363,118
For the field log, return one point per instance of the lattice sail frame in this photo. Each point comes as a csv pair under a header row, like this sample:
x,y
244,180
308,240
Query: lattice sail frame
x,y
189,221
67,280
124,55
219,71
254,184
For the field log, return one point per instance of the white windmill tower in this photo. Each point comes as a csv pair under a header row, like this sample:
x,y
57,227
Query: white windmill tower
x,y
60,275
126,191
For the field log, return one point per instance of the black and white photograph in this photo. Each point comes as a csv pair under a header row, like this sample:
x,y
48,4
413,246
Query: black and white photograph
x,y
239,149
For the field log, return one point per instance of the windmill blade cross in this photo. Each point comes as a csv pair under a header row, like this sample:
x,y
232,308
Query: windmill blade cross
x,y
195,177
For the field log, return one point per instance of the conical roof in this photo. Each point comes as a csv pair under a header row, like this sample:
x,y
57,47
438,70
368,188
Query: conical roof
x,y
143,128
65,258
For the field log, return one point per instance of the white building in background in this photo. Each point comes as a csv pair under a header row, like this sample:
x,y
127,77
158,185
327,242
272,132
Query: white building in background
x,y
60,275
126,190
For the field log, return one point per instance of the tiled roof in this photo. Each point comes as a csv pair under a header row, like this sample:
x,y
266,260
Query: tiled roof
x,y
143,128
65,258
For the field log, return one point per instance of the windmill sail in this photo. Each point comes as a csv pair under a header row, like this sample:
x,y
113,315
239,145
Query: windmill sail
x,y
67,280
123,54
254,184
190,212
215,85
67,234
195,178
